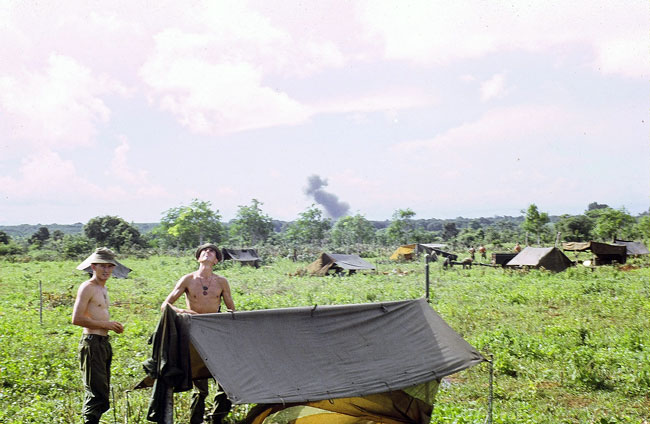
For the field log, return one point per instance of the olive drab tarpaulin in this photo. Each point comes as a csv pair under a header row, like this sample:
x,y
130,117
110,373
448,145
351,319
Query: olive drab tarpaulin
x,y
392,353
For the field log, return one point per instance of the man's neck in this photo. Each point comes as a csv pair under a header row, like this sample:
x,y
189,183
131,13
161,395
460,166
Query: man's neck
x,y
98,281
205,270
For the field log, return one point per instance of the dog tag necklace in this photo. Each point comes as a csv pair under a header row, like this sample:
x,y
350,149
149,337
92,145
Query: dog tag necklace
x,y
205,289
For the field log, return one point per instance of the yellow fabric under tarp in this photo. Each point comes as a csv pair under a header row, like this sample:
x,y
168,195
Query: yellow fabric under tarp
x,y
404,252
394,407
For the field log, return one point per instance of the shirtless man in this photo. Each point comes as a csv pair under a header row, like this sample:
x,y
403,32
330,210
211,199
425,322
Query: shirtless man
x,y
203,292
95,353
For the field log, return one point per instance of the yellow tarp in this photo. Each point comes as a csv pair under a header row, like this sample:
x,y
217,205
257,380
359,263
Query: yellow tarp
x,y
406,251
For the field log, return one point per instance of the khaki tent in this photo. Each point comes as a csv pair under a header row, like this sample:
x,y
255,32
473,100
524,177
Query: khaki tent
x,y
337,263
243,256
362,363
550,258
603,253
634,248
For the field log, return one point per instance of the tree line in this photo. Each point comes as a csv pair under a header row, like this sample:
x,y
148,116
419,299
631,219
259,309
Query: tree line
x,y
187,226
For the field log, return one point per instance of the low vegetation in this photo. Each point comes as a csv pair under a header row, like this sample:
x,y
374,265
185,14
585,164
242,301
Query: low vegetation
x,y
572,347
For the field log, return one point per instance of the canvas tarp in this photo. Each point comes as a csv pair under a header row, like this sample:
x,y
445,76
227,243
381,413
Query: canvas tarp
x,y
244,256
409,251
550,258
634,248
405,252
604,253
392,354
338,262
120,271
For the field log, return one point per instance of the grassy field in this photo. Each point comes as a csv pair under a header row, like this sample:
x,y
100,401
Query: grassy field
x,y
572,347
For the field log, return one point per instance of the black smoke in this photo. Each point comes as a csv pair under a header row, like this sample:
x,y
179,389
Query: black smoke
x,y
334,208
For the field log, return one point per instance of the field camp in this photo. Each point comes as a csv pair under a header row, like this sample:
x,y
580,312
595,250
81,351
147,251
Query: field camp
x,y
339,323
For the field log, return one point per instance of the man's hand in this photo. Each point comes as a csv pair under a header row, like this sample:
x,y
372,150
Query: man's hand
x,y
115,326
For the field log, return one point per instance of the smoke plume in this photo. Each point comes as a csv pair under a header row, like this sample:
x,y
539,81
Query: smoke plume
x,y
334,208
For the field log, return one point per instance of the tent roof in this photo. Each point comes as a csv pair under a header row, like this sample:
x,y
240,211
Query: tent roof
x,y
597,248
328,352
550,258
350,261
120,271
241,255
326,261
433,245
633,247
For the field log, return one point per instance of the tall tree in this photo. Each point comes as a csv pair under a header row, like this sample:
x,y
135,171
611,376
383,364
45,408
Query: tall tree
x,y
575,228
39,237
611,222
113,232
190,226
352,229
4,238
535,221
449,230
401,228
251,225
310,228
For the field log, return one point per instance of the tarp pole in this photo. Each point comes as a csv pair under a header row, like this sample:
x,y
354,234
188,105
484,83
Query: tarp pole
x,y
426,273
490,396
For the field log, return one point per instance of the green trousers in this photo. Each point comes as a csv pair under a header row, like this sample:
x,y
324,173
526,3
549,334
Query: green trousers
x,y
95,356
220,409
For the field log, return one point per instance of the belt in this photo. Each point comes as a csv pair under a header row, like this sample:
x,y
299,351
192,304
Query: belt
x,y
95,337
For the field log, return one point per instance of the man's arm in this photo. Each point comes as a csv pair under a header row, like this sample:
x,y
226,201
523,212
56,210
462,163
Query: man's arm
x,y
179,289
227,296
80,315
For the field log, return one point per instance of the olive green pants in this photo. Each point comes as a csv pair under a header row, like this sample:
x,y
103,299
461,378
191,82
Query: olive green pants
x,y
95,356
221,406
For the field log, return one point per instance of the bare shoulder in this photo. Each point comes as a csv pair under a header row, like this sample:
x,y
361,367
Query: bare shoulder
x,y
186,278
85,287
221,279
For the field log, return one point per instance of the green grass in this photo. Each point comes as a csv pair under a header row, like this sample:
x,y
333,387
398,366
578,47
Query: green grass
x,y
572,347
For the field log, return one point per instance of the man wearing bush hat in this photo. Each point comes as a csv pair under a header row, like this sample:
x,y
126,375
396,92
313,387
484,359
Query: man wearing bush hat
x,y
95,353
203,291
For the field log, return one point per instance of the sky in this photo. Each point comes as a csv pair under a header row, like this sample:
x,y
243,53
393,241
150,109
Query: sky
x,y
446,108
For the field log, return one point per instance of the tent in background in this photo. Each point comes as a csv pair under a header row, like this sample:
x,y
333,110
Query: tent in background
x,y
243,256
503,258
603,253
634,248
338,263
550,258
371,363
410,251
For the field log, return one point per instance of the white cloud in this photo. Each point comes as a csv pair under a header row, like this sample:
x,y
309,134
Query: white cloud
x,y
214,97
49,178
136,181
441,32
58,106
493,88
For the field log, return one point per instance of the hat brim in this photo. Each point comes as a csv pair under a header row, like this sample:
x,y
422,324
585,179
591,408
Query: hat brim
x,y
209,246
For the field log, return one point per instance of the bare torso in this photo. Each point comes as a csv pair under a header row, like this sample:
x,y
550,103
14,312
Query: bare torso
x,y
97,306
203,294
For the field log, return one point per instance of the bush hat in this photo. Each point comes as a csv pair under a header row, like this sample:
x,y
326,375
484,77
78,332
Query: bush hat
x,y
102,255
209,246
